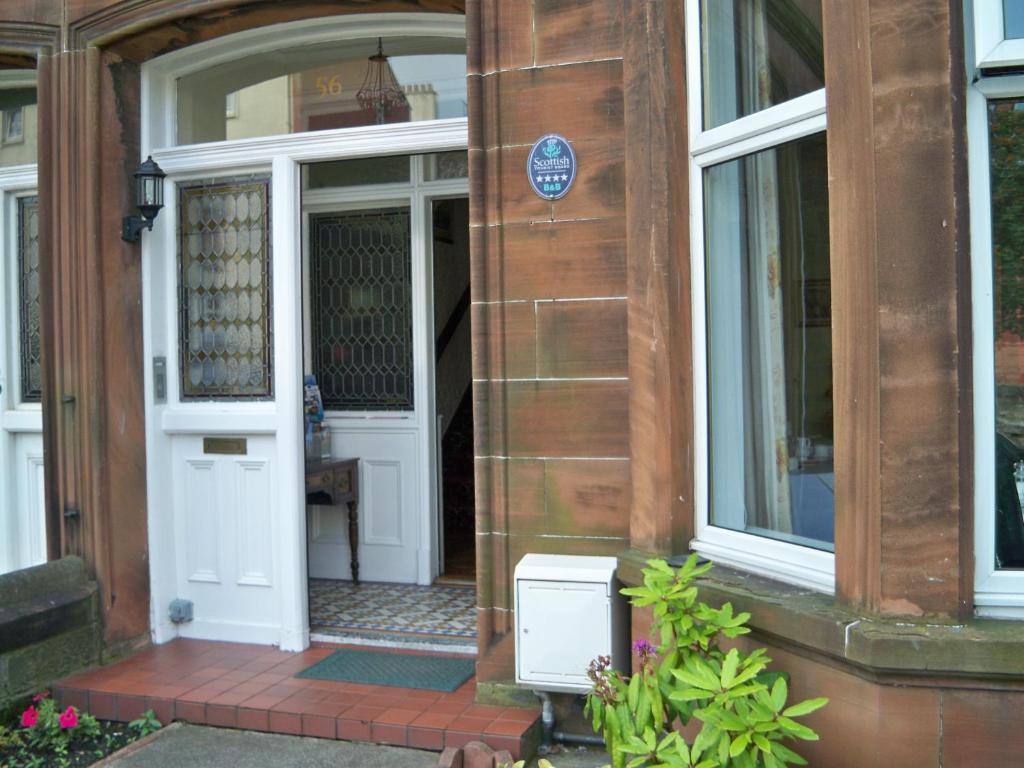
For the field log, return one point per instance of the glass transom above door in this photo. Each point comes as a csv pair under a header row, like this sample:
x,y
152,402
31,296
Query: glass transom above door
x,y
321,87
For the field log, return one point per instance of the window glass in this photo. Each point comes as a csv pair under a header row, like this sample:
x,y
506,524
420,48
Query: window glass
x,y
224,255
320,87
1013,18
758,53
18,140
1006,147
388,169
439,166
28,295
361,273
770,343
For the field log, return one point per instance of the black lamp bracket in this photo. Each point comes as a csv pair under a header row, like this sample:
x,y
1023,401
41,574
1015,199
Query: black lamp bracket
x,y
132,226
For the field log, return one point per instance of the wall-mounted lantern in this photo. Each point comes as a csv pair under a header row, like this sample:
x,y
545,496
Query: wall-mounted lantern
x,y
149,199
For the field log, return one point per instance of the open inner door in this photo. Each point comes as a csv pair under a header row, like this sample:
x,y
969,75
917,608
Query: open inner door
x,y
387,342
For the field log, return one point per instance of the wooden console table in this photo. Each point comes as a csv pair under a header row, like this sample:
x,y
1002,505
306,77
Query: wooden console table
x,y
332,483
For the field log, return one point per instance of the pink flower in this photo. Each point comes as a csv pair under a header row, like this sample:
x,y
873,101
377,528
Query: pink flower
x,y
29,717
69,719
40,696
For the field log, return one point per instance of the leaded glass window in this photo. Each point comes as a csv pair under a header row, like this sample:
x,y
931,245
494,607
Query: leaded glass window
x,y
361,268
446,165
28,293
225,313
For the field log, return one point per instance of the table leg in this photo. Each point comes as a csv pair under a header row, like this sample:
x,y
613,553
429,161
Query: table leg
x,y
353,538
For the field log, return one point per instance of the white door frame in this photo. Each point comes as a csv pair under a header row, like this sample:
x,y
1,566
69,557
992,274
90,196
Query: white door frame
x,y
418,196
282,155
21,544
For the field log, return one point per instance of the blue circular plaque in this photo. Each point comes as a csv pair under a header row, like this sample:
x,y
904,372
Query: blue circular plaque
x,y
551,166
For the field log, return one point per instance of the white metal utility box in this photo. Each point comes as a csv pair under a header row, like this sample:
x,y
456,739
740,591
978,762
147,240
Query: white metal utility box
x,y
568,612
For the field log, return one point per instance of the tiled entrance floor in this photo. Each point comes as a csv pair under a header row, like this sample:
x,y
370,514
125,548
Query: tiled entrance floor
x,y
438,610
254,687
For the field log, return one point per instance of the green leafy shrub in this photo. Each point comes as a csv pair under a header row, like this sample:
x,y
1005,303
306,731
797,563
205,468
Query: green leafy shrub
x,y
44,736
742,707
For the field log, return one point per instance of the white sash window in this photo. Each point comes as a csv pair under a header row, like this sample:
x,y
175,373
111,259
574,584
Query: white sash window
x,y
761,289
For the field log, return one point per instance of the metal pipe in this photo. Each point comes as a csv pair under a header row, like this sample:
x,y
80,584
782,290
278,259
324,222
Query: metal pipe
x,y
550,735
590,739
547,717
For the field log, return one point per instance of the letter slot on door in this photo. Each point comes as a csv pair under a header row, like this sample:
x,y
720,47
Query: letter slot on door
x,y
568,612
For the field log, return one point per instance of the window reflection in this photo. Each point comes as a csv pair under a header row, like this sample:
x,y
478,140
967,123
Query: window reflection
x,y
1006,147
18,140
770,344
758,53
1013,18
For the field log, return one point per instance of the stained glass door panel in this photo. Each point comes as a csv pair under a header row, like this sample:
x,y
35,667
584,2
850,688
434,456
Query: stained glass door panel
x,y
225,314
361,291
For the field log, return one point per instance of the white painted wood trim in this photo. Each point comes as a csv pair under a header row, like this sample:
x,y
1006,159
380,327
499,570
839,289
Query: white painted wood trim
x,y
760,124
339,144
19,545
287,330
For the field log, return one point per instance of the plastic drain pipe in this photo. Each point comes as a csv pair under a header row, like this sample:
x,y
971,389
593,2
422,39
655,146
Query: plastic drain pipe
x,y
550,735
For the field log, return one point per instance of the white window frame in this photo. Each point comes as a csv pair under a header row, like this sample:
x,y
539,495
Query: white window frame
x,y
997,593
771,127
991,46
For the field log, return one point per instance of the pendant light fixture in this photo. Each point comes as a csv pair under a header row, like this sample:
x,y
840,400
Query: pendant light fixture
x,y
380,91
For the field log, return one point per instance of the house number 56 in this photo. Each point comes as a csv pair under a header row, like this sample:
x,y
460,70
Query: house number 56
x,y
329,86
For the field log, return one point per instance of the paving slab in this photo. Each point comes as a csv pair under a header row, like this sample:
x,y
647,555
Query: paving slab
x,y
191,746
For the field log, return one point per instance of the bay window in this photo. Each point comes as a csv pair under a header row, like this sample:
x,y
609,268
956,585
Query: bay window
x,y
762,290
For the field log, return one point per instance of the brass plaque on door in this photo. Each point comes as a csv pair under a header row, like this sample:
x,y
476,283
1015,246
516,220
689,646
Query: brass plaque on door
x,y
229,446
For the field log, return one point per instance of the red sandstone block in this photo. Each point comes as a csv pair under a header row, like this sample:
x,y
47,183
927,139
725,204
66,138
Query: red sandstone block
x,y
511,744
476,754
451,758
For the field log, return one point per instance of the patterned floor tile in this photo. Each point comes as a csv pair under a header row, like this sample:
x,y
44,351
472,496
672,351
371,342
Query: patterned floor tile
x,y
438,610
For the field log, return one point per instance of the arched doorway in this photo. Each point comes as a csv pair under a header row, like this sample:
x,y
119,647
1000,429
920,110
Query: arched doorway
x,y
235,281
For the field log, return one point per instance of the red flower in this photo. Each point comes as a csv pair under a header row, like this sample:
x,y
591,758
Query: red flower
x,y
69,719
29,717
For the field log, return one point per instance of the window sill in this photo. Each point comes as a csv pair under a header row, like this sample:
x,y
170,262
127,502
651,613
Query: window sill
x,y
878,645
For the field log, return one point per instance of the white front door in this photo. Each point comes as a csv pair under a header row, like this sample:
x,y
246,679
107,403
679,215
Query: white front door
x,y
222,404
22,517
365,273
223,335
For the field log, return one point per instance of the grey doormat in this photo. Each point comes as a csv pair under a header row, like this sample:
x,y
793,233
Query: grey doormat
x,y
402,670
